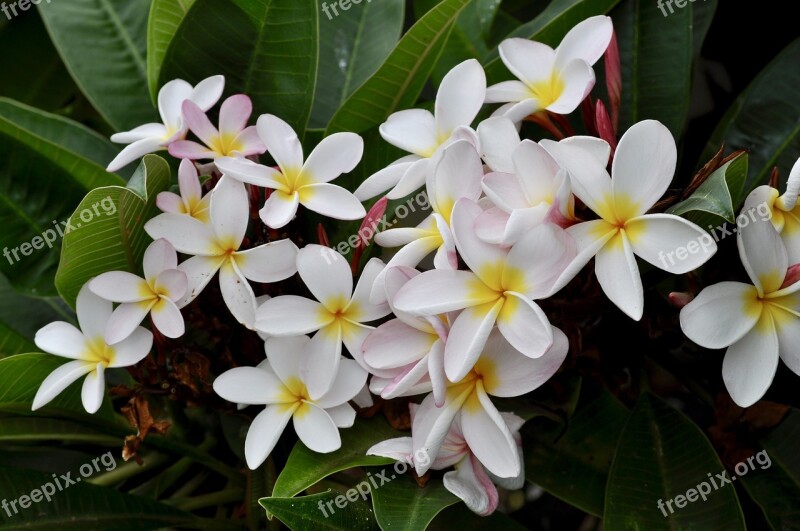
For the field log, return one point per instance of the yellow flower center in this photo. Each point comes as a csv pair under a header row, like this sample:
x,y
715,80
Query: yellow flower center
x,y
548,91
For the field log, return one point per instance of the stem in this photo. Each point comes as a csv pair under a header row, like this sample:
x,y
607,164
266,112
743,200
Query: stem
x,y
207,500
128,470
543,120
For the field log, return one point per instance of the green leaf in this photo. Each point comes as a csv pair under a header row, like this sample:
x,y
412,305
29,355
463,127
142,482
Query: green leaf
x,y
403,505
399,81
460,517
47,163
305,468
573,464
266,49
103,43
703,14
82,506
661,455
763,120
656,55
162,24
111,239
37,429
774,483
719,195
319,511
352,46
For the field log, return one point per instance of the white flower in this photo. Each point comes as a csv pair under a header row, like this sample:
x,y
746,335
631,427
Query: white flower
x,y
157,293
215,247
642,171
191,201
758,323
338,317
553,80
424,134
300,182
149,138
280,386
90,353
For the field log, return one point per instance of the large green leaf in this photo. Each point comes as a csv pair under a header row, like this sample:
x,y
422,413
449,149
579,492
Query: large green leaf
x,y
267,49
661,455
460,517
103,43
352,46
319,511
165,18
305,468
114,239
36,429
763,120
47,163
399,81
81,506
403,505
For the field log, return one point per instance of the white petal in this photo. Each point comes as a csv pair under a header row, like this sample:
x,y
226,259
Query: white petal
x,y
413,178
171,284
331,201
62,339
344,416
589,238
60,379
230,212
395,344
333,156
721,314
458,174
412,130
279,209
285,355
537,260
479,255
124,320
140,133
94,389
264,433
159,256
316,429
537,171
619,277
409,256
290,315
587,40
491,226
168,319
237,294
441,291
750,364
199,271
524,324
508,91
518,111
350,379
788,327
322,357
385,179
399,449
471,484
578,78
281,141
365,311
488,436
530,61
430,427
249,172
120,286
498,139
186,234
132,349
588,177
250,386
93,313
670,243
326,274
460,96
134,152
170,100
207,93
596,147
762,253
270,262
468,337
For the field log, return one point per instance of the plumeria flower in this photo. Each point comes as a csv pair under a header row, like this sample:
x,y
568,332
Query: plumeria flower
x,y
155,294
783,211
552,80
458,174
233,138
425,134
498,137
149,138
301,182
215,246
470,480
501,371
499,288
758,323
191,201
281,388
89,352
642,170
337,318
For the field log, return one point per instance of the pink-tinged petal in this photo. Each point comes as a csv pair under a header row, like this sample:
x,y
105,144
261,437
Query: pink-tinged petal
x,y
508,91
532,62
249,142
440,291
234,113
190,150
408,381
524,220
394,279
230,212
170,203
482,258
436,372
721,314
505,191
670,243
332,201
132,349
446,256
344,416
336,154
597,147
402,236
409,256
250,386
186,234
431,425
279,209
120,286
159,256
93,313
470,483
524,324
491,226
644,165
578,78
172,284
460,97
197,121
412,180
399,449
289,315
385,179
537,172
468,337
349,380
134,152
170,101
322,357
125,319
366,311
60,379
750,364
587,41
237,294
281,141
316,429
498,139
353,336
395,344
167,319
269,262
326,274
589,179
207,93
488,435
589,238
140,133
762,253
508,373
61,339
250,172
537,260
199,271
412,130
94,389
264,433
458,174
285,355
618,275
